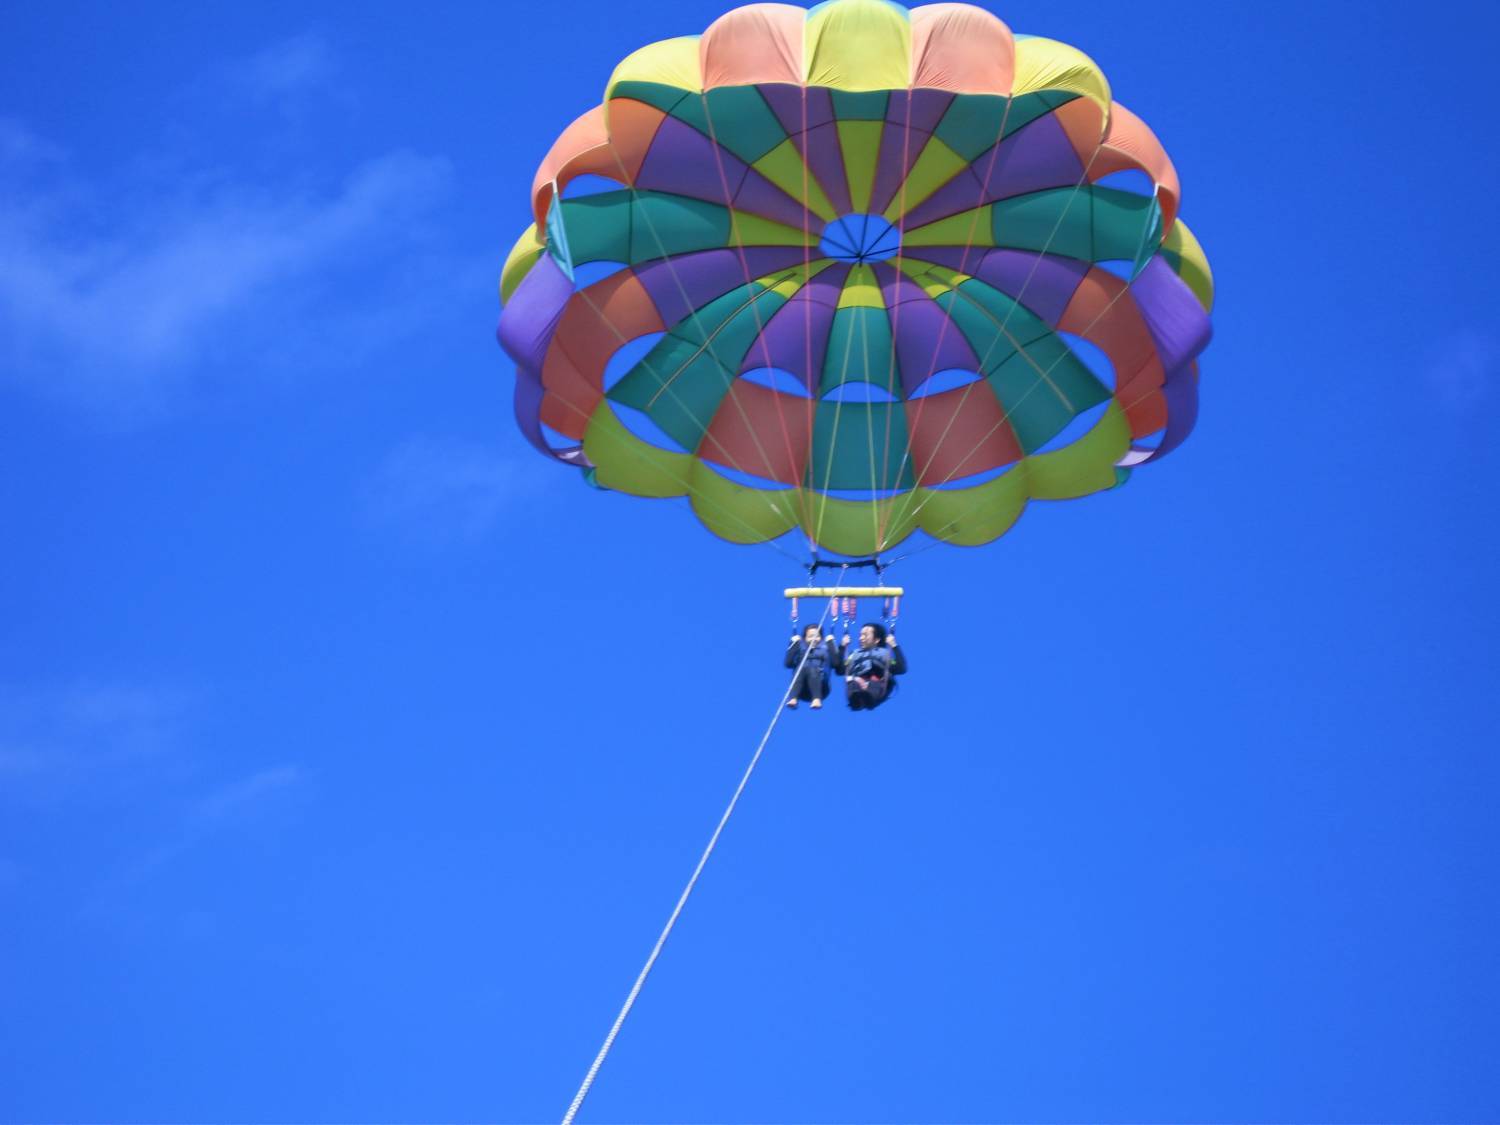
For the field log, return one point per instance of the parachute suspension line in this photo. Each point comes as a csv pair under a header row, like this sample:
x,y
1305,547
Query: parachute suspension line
x,y
1084,332
937,347
838,405
599,312
709,337
810,528
838,409
686,485
801,501
661,941
882,525
913,512
935,542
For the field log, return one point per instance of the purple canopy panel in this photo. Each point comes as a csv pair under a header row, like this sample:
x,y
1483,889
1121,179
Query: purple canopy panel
x,y
899,149
1181,394
895,287
1034,158
679,285
532,313
824,155
525,332
964,259
1177,322
798,107
925,107
796,336
826,287
1042,283
760,196
928,342
683,161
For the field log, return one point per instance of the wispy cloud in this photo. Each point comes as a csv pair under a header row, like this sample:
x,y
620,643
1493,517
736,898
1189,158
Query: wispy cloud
x,y
105,784
21,149
285,70
1464,370
211,277
442,488
236,800
237,808
120,286
51,734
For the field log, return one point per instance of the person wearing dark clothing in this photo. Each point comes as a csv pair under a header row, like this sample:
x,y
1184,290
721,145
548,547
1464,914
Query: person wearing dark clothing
x,y
813,674
870,671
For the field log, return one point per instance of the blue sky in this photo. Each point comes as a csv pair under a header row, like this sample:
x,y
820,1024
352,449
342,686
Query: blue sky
x,y
351,755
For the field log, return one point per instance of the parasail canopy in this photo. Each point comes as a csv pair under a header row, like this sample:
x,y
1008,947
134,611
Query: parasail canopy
x,y
859,270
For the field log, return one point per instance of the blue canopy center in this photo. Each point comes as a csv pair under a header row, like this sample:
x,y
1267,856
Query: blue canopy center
x,y
860,238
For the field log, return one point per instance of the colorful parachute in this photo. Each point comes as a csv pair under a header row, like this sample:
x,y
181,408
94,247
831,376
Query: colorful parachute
x,y
859,270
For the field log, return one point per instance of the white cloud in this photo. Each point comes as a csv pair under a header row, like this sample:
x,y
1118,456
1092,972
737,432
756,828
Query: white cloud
x,y
115,770
55,733
237,799
285,69
21,149
1463,372
237,809
217,273
93,732
442,488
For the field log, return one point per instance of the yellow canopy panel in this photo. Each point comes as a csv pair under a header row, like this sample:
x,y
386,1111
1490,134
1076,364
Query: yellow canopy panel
x,y
845,592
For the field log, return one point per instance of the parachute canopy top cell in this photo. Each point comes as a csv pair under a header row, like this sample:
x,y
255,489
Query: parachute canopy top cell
x,y
859,239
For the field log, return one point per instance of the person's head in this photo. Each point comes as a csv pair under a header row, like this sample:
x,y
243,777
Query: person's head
x,y
871,635
811,634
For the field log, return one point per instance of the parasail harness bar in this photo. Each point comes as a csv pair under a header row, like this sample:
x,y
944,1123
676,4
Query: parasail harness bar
x,y
848,591
845,602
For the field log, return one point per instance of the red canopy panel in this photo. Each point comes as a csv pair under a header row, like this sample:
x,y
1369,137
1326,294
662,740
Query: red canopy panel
x,y
959,433
595,323
762,432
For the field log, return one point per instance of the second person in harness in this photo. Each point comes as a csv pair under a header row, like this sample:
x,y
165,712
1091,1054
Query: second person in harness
x,y
870,670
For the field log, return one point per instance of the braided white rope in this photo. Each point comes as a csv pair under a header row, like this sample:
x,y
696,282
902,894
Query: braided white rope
x,y
635,990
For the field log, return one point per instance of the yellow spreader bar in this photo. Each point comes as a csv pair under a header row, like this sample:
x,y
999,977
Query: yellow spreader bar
x,y
845,592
